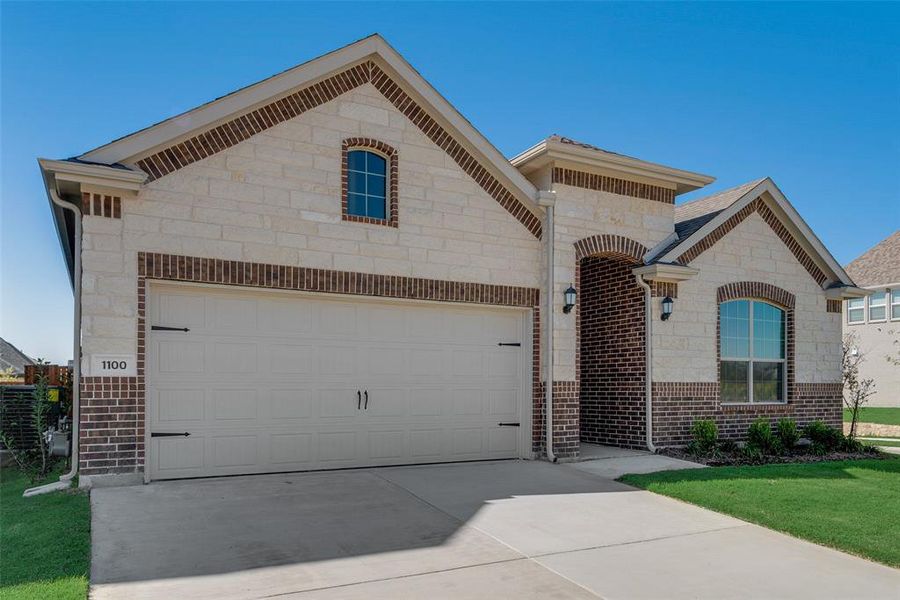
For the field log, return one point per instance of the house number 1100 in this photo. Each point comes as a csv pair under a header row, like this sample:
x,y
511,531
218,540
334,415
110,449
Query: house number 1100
x,y
114,364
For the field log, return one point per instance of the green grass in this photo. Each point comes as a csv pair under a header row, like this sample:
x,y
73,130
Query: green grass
x,y
848,505
44,542
876,414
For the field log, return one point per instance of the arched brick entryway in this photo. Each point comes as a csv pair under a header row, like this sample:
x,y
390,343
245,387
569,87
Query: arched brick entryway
x,y
611,351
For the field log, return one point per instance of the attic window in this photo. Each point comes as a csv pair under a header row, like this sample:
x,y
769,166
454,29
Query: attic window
x,y
369,182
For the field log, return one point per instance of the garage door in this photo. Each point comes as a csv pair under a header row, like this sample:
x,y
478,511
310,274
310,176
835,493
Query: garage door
x,y
248,382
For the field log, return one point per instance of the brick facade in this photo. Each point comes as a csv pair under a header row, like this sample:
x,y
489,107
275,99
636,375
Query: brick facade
x,y
112,425
676,405
101,205
612,353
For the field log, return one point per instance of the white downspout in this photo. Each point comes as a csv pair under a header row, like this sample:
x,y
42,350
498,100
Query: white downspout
x,y
66,480
648,336
547,200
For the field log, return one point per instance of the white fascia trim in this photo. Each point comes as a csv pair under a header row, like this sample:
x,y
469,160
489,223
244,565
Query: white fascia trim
x,y
143,142
666,272
97,175
766,185
845,292
683,181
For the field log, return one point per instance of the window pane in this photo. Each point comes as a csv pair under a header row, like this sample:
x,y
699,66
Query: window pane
x,y
768,381
375,185
877,303
734,328
375,207
356,183
876,313
733,381
895,311
877,299
895,296
356,205
856,315
356,160
376,164
768,331
856,303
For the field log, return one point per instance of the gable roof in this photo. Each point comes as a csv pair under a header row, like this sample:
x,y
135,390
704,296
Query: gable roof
x,y
10,356
702,222
183,139
880,265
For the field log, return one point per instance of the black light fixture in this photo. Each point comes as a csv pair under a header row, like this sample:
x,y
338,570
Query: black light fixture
x,y
667,305
569,295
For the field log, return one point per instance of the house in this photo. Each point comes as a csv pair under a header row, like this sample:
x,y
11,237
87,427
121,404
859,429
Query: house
x,y
874,321
13,360
333,268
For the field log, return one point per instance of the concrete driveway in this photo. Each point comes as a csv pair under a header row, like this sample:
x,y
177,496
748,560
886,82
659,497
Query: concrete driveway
x,y
511,529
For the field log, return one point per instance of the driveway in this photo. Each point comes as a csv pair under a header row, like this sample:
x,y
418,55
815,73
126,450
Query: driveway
x,y
509,529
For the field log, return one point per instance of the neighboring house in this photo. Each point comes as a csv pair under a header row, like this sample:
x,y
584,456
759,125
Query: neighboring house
x,y
874,321
333,268
12,359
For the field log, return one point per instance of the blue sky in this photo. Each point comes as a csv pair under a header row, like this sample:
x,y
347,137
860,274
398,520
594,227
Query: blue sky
x,y
808,94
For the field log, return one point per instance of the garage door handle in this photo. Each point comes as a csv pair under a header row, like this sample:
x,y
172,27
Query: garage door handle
x,y
164,328
157,434
358,399
509,344
508,424
366,407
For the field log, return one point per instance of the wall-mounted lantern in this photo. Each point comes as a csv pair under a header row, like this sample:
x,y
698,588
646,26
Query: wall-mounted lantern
x,y
569,296
667,306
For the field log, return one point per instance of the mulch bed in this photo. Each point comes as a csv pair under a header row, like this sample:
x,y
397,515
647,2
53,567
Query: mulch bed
x,y
799,455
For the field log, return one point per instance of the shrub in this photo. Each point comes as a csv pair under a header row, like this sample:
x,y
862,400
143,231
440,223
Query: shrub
x,y
824,439
787,433
761,437
705,433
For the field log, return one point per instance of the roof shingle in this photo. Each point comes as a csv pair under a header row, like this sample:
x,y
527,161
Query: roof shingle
x,y
879,265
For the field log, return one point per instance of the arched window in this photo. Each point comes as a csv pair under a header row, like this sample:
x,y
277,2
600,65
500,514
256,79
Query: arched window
x,y
367,184
752,352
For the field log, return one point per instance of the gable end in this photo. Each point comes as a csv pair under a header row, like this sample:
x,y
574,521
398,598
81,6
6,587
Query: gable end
x,y
230,133
757,205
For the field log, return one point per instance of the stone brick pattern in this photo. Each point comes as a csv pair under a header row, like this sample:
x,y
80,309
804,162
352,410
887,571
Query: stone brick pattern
x,y
390,152
112,425
676,405
604,183
612,359
761,207
101,205
685,346
244,127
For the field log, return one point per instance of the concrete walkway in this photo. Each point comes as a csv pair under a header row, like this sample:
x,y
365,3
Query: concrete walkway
x,y
511,529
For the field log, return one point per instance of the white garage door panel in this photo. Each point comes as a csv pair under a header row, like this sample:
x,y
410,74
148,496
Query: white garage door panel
x,y
268,382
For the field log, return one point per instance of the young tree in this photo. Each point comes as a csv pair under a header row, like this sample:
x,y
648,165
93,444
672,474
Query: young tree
x,y
856,391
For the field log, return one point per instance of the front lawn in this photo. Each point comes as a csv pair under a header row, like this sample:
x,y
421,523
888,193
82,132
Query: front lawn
x,y
848,505
44,541
876,414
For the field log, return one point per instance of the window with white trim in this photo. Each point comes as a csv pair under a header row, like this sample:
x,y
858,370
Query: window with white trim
x,y
895,304
752,347
856,310
878,306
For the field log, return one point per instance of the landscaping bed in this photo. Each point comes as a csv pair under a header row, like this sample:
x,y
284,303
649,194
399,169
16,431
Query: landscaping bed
x,y
849,505
44,541
738,457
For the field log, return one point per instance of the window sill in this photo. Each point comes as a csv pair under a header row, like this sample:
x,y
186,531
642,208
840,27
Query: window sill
x,y
369,220
744,406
